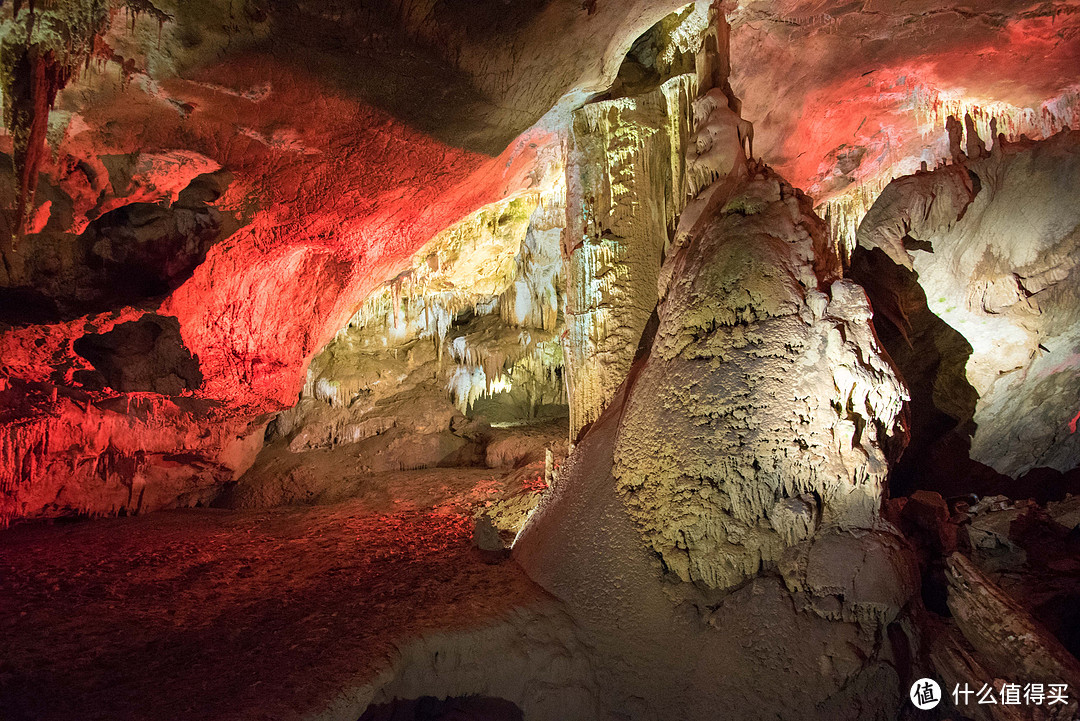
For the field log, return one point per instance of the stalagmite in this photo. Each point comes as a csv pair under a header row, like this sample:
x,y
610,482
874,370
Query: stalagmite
x,y
715,437
955,132
753,434
975,148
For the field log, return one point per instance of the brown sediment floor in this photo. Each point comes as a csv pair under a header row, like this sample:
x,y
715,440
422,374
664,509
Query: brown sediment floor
x,y
215,614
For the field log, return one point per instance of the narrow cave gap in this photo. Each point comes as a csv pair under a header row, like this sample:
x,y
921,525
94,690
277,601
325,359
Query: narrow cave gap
x,y
143,355
132,255
657,55
428,708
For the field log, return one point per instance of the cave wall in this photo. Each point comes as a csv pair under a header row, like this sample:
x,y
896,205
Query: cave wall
x,y
330,179
867,87
69,453
971,267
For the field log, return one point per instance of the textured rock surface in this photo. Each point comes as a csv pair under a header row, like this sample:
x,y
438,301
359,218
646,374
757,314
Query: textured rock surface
x,y
67,453
1004,639
867,87
972,270
747,442
765,408
329,177
672,652
625,179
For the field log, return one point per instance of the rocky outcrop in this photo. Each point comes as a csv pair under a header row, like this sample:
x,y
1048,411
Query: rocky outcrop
x,y
69,453
972,270
134,254
625,180
990,635
737,473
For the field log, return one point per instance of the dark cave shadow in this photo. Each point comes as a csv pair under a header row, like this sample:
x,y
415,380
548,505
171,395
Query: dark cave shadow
x,y
359,48
931,358
147,354
429,708
133,255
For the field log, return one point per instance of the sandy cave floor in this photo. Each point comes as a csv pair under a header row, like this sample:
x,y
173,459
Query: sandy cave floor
x,y
215,614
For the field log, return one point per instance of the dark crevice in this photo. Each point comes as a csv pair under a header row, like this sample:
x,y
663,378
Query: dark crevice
x,y
143,355
132,255
429,708
931,357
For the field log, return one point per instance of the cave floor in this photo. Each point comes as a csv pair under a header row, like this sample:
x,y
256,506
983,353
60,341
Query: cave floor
x,y
220,614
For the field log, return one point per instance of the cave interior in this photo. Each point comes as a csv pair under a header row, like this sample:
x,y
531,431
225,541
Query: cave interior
x,y
553,360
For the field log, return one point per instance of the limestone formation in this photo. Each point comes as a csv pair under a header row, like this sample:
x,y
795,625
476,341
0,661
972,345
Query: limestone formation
x,y
765,384
751,438
72,455
974,265
465,337
624,181
547,360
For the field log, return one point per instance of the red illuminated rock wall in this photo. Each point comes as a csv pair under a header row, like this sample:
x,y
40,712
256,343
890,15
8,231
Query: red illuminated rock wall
x,y
340,139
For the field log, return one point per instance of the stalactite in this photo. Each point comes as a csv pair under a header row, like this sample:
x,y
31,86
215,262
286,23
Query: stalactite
x,y
532,368
29,95
933,109
487,292
50,462
845,211
37,60
625,179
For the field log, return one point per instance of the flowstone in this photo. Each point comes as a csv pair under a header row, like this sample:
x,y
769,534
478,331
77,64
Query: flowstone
x,y
765,408
716,533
